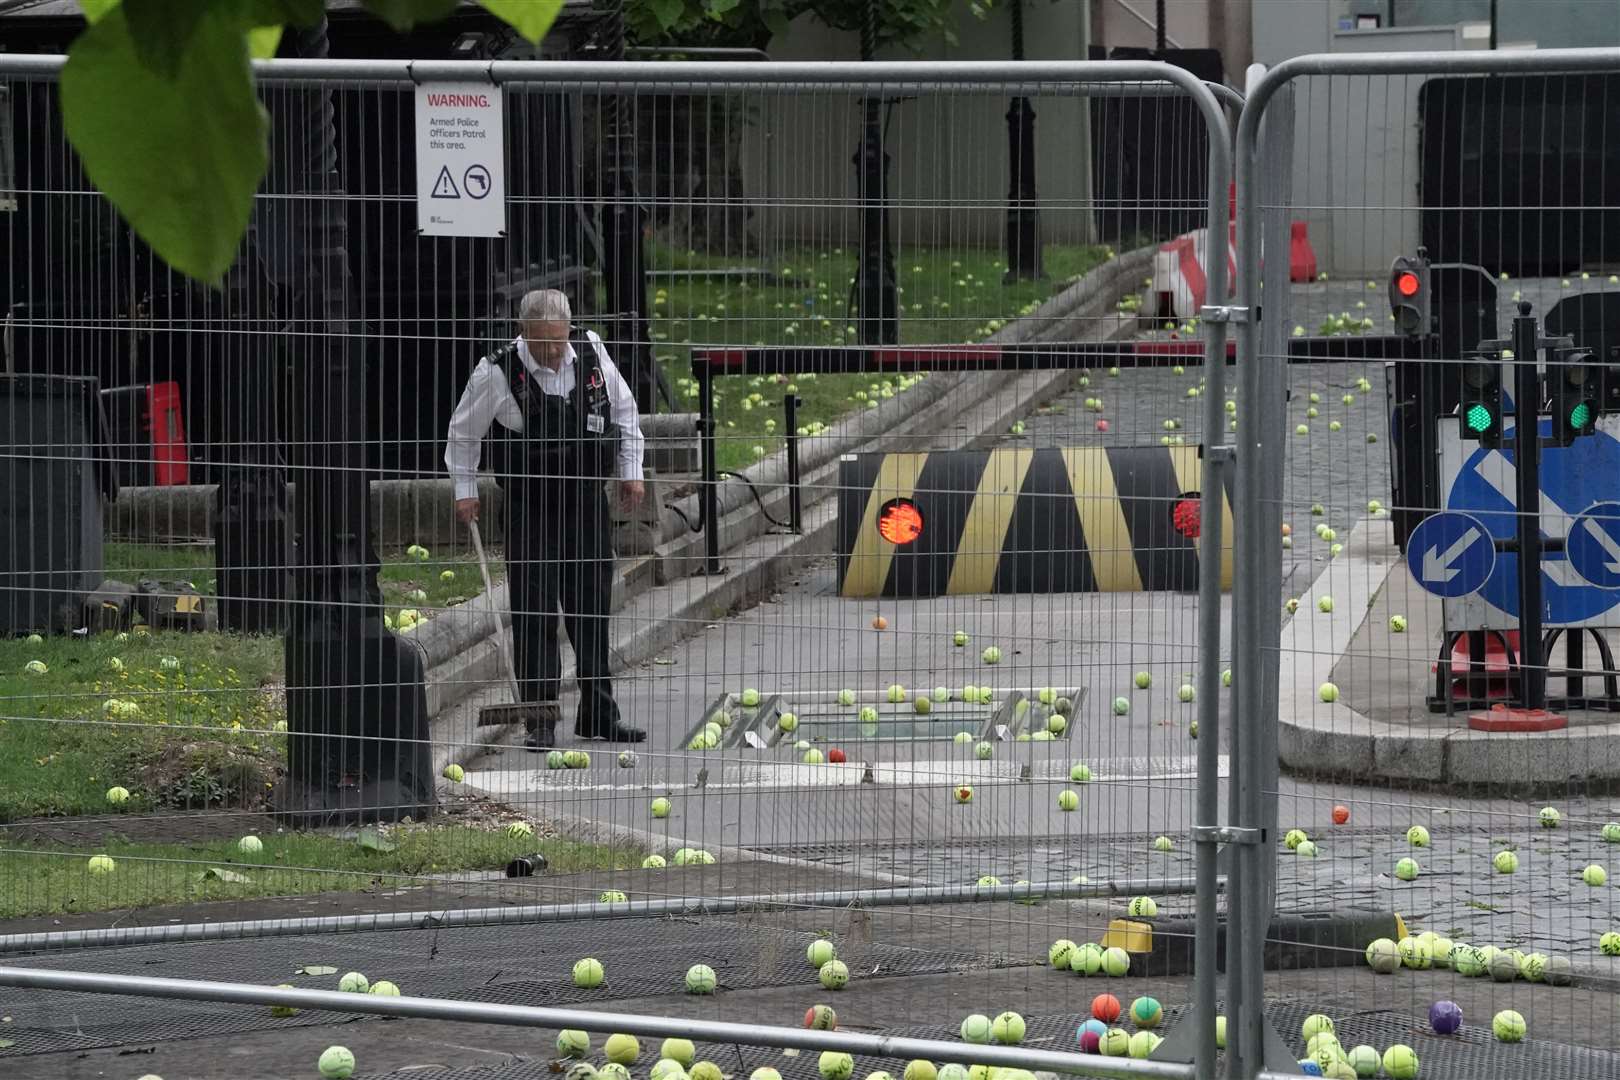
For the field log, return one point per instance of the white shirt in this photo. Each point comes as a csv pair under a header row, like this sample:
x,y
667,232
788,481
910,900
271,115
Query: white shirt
x,y
488,398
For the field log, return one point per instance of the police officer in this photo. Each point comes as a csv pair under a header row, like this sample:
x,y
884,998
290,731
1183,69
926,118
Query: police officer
x,y
567,424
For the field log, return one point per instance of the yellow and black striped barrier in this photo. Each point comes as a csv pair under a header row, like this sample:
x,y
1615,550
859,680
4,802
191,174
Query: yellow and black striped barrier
x,y
1081,519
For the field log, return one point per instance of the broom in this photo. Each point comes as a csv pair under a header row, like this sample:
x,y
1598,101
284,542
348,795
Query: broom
x,y
531,714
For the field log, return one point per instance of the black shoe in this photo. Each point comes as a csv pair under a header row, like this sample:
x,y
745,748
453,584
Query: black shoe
x,y
614,732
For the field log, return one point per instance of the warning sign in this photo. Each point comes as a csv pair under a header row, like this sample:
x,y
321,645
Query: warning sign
x,y
460,160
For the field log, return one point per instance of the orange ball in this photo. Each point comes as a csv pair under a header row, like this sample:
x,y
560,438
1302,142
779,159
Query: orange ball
x,y
1105,1007
880,623
1341,814
1288,530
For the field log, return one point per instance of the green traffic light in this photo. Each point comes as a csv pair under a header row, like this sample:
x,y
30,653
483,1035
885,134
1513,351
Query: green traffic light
x,y
1479,418
1580,417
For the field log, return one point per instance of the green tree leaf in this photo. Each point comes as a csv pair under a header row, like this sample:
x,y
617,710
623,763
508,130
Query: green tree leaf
x,y
263,41
530,18
404,14
667,12
179,157
95,9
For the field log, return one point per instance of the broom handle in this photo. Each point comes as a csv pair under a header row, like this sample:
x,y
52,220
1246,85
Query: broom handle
x,y
500,628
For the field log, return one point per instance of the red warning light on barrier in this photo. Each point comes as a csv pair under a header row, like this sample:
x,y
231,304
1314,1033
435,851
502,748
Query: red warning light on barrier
x,y
1407,283
1187,516
899,521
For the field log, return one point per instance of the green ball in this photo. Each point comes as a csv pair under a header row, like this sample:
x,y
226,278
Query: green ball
x,y
1595,875
834,975
573,1043
354,983
1163,844
1122,706
984,751
1314,1025
1007,1028
613,1071
705,1070
621,1049
1383,956
1503,967
1086,959
1416,953
1220,1033
1508,1026
1417,836
660,807
1143,680
588,973
383,988
1505,862
556,760
846,697
750,697
942,694
1306,849
1116,1042
820,952
1549,817
1609,944
1143,907
1293,838
897,694
700,979
1611,832
835,1065
1080,773
1115,961
920,1070
1068,800
1407,869
1401,1062
976,1029
1468,961
991,655
1058,953
1364,1060
336,1063
1142,1044
960,638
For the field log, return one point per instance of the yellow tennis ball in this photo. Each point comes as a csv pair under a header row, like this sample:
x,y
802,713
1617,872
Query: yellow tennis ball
x,y
1007,1028
621,1049
821,951
336,1063
1116,961
354,983
1401,1062
1508,1026
834,1065
680,1050
573,1043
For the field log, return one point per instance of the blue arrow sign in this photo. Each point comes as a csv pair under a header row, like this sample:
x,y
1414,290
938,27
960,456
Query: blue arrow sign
x,y
1594,545
1450,554
1572,478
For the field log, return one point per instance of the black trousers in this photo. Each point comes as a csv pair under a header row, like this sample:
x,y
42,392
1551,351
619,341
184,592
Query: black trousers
x,y
559,560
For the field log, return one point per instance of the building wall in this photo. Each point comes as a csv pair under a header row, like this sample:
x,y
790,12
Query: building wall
x,y
948,150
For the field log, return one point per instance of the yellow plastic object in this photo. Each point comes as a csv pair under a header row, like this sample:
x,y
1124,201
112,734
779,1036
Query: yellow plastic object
x,y
1127,934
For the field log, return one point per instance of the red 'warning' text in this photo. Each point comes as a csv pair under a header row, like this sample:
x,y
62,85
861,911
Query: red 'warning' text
x,y
468,101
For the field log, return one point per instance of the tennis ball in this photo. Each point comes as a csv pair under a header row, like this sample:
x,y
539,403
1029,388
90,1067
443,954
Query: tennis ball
x,y
1122,706
1185,692
36,667
750,697
1058,953
867,715
250,845
612,896
991,655
1307,849
573,1043
670,1069
1549,817
1314,1025
1594,875
1143,907
118,796
953,1071
1086,959
1324,604
1401,1062
764,1072
1383,956
1416,953
1068,800
1142,1044
962,737
1467,961
1328,693
588,973
988,881
984,751
1503,967
1609,944
814,757
963,794
833,975
1007,1028
1115,961
1220,1033
897,694
1505,862
942,694
835,1065
1533,967
1080,773
1163,843
922,705
976,1028
1417,836
1508,1026
354,983
101,864
920,1070
519,830
1611,832
1116,1042
284,1010
621,1049
613,1071
1397,624
1364,1060
556,760
660,807
1324,1044
820,952
960,638
820,1018
1557,971
846,697
1146,1012
336,1063
454,773
1143,680
1293,838
383,988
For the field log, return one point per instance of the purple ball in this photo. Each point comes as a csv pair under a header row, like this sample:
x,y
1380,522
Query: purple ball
x,y
1089,1034
1445,1016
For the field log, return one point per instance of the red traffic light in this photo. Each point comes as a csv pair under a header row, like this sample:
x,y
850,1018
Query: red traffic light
x,y
899,521
1407,283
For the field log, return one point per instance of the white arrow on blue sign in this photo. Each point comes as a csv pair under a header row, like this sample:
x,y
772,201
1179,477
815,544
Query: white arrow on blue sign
x,y
1593,545
1451,554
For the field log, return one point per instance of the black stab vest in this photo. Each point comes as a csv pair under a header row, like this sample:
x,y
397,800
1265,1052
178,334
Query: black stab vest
x,y
568,437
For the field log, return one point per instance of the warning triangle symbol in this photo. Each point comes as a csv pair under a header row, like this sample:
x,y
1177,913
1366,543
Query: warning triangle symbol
x,y
445,187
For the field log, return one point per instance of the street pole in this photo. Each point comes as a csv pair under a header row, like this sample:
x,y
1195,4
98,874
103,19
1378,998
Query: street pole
x,y
624,224
876,297
1527,462
1023,213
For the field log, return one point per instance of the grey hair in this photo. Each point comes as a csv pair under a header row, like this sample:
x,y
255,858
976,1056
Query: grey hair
x,y
545,305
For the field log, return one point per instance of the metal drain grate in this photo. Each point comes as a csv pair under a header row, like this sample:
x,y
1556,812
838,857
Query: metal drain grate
x,y
517,965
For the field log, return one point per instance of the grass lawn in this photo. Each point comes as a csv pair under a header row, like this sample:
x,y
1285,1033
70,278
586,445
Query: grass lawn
x,y
40,882
949,295
107,712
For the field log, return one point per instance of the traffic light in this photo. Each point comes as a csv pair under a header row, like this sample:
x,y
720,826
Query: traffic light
x,y
1481,404
1409,295
1576,395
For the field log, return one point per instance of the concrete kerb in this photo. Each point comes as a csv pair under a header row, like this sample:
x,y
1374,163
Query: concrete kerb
x,y
1321,739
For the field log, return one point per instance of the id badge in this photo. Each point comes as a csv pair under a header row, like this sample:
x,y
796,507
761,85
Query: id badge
x,y
593,424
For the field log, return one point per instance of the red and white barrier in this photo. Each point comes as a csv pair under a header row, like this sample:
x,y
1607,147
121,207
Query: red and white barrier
x,y
1179,281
